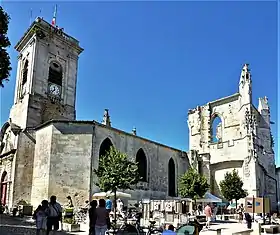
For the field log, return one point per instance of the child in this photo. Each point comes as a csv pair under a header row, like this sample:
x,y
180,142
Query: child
x,y
41,217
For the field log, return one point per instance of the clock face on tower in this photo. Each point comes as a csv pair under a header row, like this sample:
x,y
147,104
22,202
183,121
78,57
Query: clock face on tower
x,y
54,90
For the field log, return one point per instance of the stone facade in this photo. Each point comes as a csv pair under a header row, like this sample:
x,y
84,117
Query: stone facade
x,y
45,151
241,139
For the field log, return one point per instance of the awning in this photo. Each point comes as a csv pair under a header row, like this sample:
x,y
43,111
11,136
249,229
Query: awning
x,y
208,197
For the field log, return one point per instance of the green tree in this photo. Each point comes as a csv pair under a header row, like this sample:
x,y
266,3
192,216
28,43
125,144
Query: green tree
x,y
192,185
5,64
115,172
232,187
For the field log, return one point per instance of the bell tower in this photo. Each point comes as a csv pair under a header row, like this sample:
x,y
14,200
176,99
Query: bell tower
x,y
46,75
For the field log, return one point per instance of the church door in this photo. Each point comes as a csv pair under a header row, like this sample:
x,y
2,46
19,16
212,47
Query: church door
x,y
4,186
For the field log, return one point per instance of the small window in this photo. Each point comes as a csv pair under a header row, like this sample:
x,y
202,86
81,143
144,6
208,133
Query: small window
x,y
55,73
25,72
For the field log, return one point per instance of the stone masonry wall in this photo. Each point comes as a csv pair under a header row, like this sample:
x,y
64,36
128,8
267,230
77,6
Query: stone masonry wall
x,y
70,161
41,178
24,167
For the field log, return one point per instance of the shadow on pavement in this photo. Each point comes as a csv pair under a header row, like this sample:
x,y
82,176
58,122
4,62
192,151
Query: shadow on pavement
x,y
19,226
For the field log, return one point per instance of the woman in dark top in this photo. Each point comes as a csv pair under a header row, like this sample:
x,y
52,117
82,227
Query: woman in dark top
x,y
92,217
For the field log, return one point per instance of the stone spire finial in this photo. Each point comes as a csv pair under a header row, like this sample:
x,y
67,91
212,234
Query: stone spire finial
x,y
134,131
263,104
106,118
245,74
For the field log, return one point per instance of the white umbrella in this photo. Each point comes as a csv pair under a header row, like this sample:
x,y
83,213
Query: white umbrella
x,y
111,194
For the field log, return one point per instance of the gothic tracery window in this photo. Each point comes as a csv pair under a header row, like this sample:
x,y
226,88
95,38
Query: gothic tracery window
x,y
55,73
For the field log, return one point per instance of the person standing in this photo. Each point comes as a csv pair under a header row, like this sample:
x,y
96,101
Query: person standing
x,y
92,217
102,218
208,214
108,204
54,213
240,212
69,202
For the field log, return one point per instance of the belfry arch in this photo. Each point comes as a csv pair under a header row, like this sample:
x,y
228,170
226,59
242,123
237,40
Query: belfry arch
x,y
105,146
171,178
141,159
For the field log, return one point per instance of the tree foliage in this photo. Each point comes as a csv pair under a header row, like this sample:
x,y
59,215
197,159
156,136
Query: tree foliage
x,y
232,186
192,185
5,64
115,171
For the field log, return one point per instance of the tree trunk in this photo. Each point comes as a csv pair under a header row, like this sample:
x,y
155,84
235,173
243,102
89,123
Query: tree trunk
x,y
115,212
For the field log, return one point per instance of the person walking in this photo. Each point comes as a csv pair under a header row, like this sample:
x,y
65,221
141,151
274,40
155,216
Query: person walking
x,y
54,213
92,217
102,218
208,214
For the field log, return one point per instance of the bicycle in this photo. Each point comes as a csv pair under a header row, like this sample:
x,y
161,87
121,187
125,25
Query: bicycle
x,y
152,229
80,215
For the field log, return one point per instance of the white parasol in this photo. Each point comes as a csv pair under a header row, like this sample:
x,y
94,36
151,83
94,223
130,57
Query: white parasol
x,y
111,194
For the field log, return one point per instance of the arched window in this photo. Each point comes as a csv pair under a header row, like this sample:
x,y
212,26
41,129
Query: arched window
x,y
55,73
24,77
142,165
105,147
3,188
216,129
171,178
24,72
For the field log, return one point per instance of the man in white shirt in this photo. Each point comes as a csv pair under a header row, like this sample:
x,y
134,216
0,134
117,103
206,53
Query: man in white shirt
x,y
54,213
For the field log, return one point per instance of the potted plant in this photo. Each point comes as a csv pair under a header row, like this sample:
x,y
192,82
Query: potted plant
x,y
69,224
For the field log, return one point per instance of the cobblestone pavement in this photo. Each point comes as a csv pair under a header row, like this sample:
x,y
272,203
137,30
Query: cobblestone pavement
x,y
17,226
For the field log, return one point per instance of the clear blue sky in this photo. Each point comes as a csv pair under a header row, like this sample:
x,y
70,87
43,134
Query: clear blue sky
x,y
149,62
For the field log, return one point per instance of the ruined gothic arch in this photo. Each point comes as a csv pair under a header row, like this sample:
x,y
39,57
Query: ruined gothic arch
x,y
143,165
172,173
105,146
216,127
4,187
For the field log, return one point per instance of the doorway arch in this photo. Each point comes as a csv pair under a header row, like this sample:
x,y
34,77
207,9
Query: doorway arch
x,y
4,187
171,178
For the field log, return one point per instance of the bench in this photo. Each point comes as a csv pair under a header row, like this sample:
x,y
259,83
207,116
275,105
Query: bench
x,y
272,228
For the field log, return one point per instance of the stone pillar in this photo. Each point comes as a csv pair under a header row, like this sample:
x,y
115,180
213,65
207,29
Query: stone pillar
x,y
206,166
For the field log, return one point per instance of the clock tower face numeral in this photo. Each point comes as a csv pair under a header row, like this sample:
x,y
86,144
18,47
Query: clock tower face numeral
x,y
54,90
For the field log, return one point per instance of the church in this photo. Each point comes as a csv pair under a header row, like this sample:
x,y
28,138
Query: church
x,y
45,151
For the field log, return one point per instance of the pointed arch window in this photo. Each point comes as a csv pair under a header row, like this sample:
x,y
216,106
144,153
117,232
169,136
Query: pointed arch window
x,y
24,77
171,178
216,129
105,147
55,73
141,159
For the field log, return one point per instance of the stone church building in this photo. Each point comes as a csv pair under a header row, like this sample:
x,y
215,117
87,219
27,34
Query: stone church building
x,y
45,151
